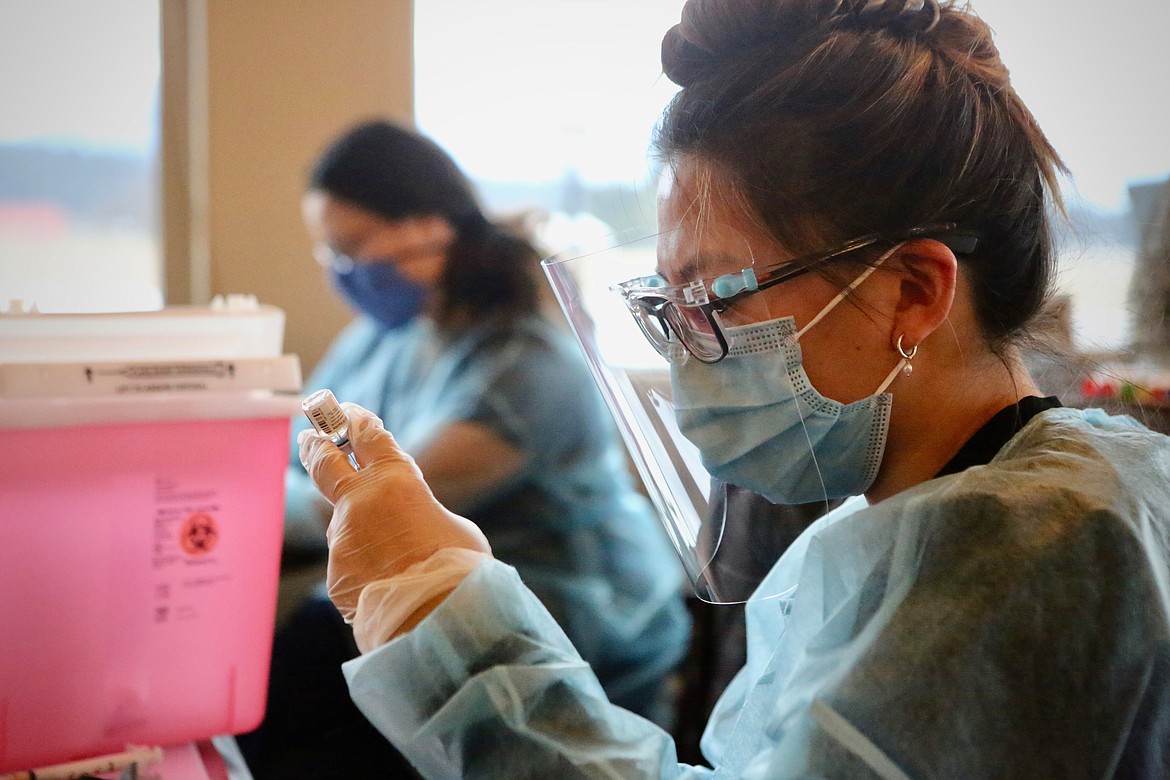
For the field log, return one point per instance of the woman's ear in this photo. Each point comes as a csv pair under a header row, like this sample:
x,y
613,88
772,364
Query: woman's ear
x,y
929,274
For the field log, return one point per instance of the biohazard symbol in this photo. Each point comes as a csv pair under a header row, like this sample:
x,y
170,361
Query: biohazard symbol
x,y
199,535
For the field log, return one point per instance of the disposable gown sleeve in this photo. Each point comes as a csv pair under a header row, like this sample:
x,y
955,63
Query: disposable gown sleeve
x,y
489,686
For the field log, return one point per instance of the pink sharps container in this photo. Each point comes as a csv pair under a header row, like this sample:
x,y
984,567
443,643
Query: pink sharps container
x,y
141,508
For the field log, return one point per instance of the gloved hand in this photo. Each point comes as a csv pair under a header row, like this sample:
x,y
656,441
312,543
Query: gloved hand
x,y
385,518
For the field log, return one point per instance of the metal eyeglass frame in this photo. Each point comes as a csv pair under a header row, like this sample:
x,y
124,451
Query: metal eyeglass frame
x,y
649,296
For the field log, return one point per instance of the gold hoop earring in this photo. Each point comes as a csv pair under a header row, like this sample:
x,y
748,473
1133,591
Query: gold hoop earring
x,y
908,369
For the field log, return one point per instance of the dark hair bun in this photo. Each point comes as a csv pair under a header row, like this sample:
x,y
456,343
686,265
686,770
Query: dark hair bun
x,y
713,32
913,16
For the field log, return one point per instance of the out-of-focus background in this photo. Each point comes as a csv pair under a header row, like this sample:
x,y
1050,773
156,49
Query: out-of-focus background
x,y
155,151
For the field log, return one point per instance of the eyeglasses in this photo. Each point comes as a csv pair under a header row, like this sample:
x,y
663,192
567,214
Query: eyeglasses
x,y
344,263
330,258
685,318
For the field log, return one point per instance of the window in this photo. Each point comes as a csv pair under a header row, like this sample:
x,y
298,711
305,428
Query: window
x,y
548,104
78,151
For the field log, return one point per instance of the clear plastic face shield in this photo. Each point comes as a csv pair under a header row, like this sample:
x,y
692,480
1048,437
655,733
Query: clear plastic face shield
x,y
639,309
685,346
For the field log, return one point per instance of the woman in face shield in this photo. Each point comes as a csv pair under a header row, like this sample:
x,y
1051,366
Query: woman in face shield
x,y
855,241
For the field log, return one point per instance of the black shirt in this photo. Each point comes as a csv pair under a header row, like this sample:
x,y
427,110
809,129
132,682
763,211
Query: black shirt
x,y
996,432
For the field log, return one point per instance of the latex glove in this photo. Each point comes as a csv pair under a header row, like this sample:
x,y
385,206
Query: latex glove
x,y
385,518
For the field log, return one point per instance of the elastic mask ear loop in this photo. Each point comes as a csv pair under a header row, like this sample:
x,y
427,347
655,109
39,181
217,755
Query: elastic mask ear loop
x,y
904,363
841,295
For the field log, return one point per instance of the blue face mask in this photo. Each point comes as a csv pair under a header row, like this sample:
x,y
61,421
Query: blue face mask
x,y
381,292
760,424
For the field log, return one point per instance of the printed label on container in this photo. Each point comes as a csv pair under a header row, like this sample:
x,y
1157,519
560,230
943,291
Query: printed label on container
x,y
188,532
37,380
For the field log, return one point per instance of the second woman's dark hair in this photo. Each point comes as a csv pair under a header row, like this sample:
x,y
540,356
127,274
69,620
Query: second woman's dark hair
x,y
397,173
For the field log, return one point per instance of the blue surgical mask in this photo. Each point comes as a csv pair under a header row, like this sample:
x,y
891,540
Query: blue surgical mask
x,y
381,292
760,424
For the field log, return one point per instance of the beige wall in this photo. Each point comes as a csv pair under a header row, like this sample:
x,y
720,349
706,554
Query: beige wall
x,y
253,90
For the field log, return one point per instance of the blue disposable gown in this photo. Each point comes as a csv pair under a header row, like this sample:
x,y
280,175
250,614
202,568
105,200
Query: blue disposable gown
x,y
1007,621
570,520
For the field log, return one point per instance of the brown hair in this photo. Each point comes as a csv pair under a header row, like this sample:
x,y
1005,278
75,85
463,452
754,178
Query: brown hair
x,y
395,172
834,119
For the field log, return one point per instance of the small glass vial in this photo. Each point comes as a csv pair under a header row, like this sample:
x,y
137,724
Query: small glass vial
x,y
328,418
